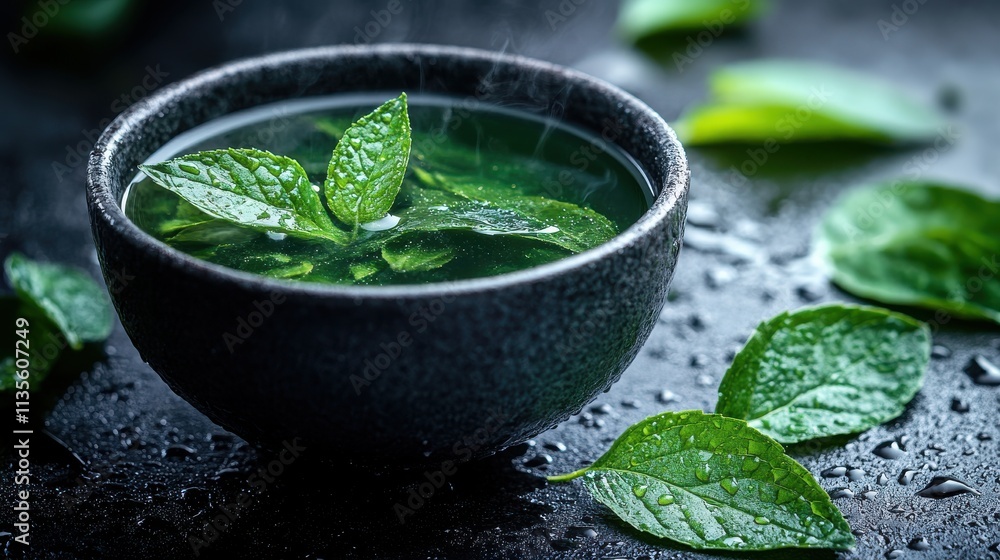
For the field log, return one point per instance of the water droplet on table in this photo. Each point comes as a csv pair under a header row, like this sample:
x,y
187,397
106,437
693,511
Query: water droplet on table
x,y
179,451
940,352
699,361
959,406
983,371
602,409
919,543
810,292
719,276
945,487
581,532
891,450
834,472
666,396
838,493
539,460
906,476
702,214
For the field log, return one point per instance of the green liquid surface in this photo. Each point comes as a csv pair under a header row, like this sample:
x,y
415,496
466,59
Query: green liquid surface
x,y
497,153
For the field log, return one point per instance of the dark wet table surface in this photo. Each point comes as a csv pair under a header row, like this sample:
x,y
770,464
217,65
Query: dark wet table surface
x,y
129,470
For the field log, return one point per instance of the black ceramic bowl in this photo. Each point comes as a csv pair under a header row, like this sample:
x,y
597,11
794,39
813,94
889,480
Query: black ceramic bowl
x,y
490,362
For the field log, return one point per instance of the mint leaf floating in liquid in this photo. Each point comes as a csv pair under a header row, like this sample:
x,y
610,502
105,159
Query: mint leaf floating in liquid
x,y
369,163
549,221
919,244
788,101
641,18
412,254
253,188
572,227
214,231
823,371
69,298
713,482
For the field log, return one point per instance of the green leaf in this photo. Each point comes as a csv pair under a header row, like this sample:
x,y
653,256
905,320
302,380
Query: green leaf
x,y
713,482
294,271
368,164
267,263
579,228
919,244
570,226
213,232
253,188
787,101
360,271
42,342
642,18
91,18
414,254
67,296
545,220
824,371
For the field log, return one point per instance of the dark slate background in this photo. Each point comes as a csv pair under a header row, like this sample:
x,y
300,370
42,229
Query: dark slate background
x,y
131,471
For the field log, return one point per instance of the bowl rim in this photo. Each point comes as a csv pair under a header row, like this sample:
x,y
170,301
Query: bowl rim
x,y
101,200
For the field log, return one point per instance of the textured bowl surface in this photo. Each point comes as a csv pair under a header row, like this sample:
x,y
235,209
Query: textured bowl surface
x,y
391,374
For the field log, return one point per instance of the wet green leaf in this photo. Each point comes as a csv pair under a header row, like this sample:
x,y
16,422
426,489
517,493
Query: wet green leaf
x,y
414,254
642,18
92,18
67,296
549,221
824,371
572,227
369,163
213,232
786,101
919,244
713,482
249,187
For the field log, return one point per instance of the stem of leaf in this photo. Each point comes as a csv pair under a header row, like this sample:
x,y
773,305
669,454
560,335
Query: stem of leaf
x,y
568,476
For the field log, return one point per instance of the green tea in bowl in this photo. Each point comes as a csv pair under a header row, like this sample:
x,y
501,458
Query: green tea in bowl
x,y
421,190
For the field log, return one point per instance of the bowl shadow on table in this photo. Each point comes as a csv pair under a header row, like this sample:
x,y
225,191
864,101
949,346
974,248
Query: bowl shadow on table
x,y
337,508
